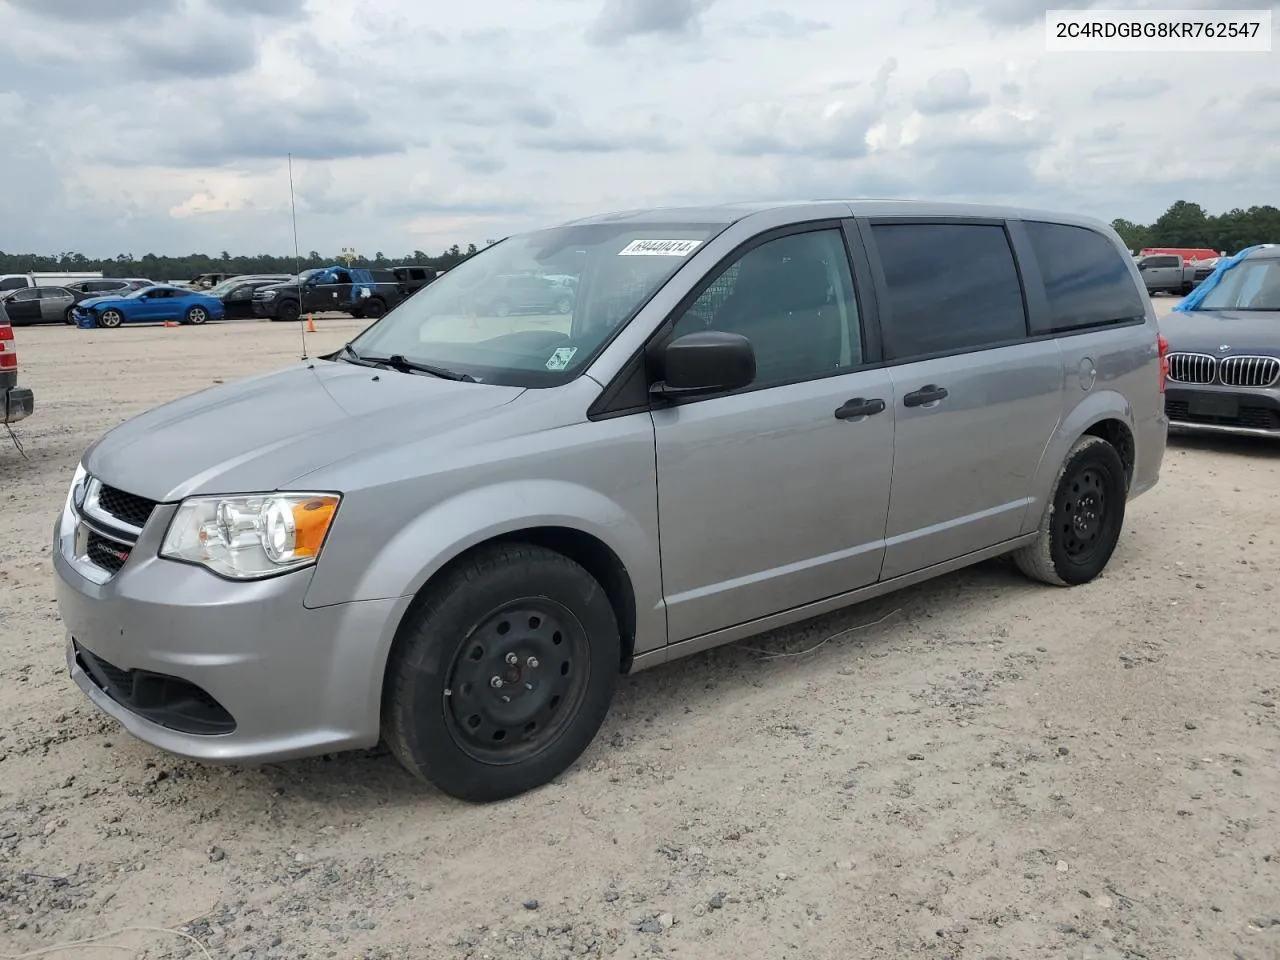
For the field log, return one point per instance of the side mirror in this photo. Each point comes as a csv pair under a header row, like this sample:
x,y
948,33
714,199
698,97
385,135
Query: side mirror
x,y
708,361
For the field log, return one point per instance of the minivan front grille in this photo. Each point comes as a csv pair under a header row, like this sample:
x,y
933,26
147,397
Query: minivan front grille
x,y
1249,371
1192,367
125,507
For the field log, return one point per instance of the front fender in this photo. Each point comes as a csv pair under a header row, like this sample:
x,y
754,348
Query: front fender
x,y
1093,409
424,545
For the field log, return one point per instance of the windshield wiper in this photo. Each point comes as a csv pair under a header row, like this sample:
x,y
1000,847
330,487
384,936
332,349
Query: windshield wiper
x,y
398,362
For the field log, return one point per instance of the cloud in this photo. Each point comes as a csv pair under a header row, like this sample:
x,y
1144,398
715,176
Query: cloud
x,y
1132,88
103,11
621,19
778,25
949,91
1013,13
223,53
262,8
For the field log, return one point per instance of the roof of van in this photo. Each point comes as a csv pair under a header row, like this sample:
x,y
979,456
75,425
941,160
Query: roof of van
x,y
732,212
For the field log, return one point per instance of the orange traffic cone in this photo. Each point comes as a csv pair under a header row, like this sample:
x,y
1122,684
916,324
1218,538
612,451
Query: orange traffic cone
x,y
172,323
311,323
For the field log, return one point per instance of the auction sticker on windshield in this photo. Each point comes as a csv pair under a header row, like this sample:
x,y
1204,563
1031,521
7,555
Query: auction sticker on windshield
x,y
560,359
659,248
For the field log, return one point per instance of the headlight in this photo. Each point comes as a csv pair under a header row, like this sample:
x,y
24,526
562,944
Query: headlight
x,y
75,495
250,537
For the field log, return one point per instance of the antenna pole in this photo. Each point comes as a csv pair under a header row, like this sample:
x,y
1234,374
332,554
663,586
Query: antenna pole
x,y
297,259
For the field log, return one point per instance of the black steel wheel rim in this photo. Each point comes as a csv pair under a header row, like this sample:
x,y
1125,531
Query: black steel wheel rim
x,y
517,681
1083,514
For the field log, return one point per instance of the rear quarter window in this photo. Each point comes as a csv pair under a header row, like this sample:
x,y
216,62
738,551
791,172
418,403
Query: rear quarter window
x,y
951,287
1086,278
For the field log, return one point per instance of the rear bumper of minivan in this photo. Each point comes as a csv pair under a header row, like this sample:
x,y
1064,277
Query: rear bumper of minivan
x,y
1150,444
223,671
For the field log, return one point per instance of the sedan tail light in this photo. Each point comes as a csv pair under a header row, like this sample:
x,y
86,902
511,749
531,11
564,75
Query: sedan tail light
x,y
8,352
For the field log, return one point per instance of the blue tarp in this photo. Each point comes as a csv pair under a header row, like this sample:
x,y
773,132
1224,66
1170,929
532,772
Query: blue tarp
x,y
1193,299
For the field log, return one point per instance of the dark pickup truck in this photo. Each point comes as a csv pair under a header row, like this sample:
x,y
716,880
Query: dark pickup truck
x,y
18,402
367,294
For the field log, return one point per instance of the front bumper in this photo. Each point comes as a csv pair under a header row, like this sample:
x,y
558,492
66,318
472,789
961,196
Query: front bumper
x,y
216,670
1223,410
19,403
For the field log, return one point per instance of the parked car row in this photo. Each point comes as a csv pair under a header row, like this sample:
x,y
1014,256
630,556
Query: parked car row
x,y
55,304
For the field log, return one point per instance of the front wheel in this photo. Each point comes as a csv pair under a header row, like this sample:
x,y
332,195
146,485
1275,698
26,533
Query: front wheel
x,y
1082,522
69,317
502,674
110,318
288,311
564,305
197,315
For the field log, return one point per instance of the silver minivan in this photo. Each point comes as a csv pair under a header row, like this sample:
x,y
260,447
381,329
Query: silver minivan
x,y
454,533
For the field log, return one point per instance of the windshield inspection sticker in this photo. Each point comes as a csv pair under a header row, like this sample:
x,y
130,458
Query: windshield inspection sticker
x,y
560,359
659,248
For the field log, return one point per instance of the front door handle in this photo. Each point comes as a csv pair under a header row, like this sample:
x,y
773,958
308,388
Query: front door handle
x,y
930,393
859,407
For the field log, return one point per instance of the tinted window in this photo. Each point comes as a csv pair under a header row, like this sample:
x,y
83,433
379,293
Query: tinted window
x,y
793,299
1086,278
13,283
952,286
23,295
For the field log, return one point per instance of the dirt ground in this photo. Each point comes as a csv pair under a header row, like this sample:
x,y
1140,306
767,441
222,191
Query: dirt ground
x,y
990,769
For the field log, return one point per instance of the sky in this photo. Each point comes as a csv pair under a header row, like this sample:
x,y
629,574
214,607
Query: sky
x,y
164,126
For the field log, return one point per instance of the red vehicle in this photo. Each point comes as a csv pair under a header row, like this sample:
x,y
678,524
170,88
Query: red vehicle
x,y
1189,255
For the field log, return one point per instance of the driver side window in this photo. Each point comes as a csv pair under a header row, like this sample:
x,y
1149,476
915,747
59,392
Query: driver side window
x,y
793,298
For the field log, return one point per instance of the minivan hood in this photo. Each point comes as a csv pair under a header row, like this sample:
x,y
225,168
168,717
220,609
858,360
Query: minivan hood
x,y
1209,331
261,433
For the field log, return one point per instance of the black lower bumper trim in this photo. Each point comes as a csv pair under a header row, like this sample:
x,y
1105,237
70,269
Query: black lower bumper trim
x,y
167,701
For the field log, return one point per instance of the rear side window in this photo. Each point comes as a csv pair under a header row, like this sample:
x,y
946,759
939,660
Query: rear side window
x,y
952,286
1086,279
13,283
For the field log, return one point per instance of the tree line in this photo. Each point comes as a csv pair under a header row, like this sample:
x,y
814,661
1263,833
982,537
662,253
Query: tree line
x,y
1184,224
1187,224
155,267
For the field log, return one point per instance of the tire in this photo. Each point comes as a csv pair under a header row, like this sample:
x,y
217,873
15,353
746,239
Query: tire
x,y
564,305
110,318
69,318
288,311
443,715
502,309
197,315
1068,552
373,309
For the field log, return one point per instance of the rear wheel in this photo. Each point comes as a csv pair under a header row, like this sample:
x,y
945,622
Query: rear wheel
x,y
503,673
1082,522
372,309
110,318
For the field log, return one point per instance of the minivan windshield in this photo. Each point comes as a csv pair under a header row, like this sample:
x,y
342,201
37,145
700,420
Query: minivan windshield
x,y
535,308
1251,285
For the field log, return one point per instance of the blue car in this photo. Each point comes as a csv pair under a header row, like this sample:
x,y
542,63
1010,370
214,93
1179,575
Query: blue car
x,y
157,304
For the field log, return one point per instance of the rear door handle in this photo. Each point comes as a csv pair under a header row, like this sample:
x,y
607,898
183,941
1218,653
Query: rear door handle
x,y
930,393
859,407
